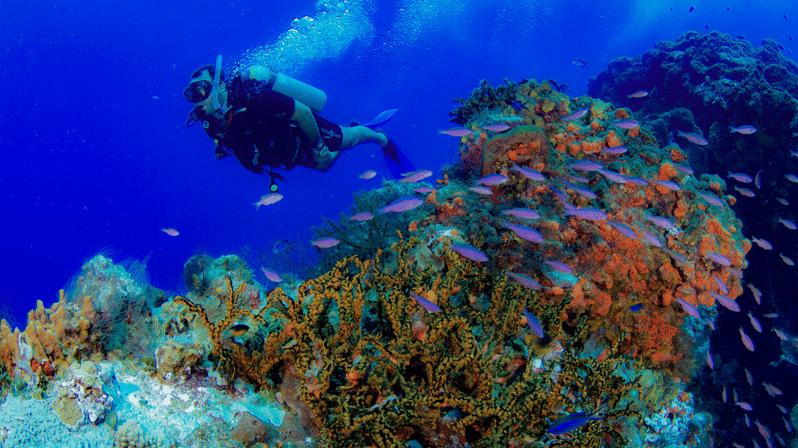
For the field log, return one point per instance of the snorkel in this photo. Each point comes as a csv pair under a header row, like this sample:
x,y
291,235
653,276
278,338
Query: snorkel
x,y
217,74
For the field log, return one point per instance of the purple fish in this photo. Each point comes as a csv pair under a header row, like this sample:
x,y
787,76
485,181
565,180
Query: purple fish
x,y
744,129
423,190
726,301
652,239
723,288
362,216
638,94
325,243
559,266
529,173
615,150
745,406
613,176
524,280
586,165
576,114
757,294
623,229
745,192
712,199
492,179
693,138
788,224
634,180
524,232
271,275
670,185
470,252
719,259
747,342
787,260
499,127
426,304
590,214
457,132
584,192
677,256
764,244
740,177
415,176
626,124
755,322
523,213
534,324
792,178
485,191
783,201
402,204
570,422
683,168
688,307
665,223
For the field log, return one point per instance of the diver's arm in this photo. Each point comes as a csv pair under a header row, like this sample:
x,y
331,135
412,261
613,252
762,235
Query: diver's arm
x,y
303,116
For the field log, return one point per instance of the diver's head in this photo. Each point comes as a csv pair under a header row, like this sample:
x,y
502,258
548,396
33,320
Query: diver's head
x,y
206,89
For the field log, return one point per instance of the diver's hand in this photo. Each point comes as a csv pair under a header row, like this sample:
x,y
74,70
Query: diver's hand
x,y
321,148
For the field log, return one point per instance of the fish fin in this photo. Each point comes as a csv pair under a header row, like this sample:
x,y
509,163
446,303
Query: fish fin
x,y
381,118
397,162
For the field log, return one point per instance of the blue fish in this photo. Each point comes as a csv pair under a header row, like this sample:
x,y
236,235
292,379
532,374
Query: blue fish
x,y
518,105
570,422
534,324
636,307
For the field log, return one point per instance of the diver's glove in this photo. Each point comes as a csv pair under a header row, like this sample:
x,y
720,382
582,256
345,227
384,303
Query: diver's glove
x,y
321,149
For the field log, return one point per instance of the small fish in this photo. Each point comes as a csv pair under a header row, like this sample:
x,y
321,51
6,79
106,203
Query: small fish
x,y
781,335
764,244
457,132
626,124
712,199
268,199
758,180
652,239
170,232
615,150
724,395
783,409
726,301
669,184
788,224
424,190
772,390
638,94
757,294
470,252
683,168
721,285
271,275
748,377
747,342
523,213
659,221
415,176
485,191
787,425
579,62
719,258
499,127
362,216
745,406
636,307
524,280
492,180
688,307
783,201
792,178
534,324
763,430
692,8
402,204
744,129
623,229
740,177
745,192
613,176
529,173
325,243
693,137
747,420
559,266
426,304
368,174
787,260
280,246
584,192
771,315
577,114
634,180
570,422
710,361
524,232
590,214
586,165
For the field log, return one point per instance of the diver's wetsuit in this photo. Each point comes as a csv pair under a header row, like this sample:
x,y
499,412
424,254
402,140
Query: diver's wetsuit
x,y
258,131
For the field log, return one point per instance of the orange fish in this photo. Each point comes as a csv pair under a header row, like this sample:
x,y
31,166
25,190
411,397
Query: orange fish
x,y
170,232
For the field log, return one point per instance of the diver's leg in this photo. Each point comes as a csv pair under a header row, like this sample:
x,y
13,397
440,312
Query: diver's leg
x,y
360,134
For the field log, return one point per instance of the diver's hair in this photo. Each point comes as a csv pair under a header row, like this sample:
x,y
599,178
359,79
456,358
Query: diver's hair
x,y
205,68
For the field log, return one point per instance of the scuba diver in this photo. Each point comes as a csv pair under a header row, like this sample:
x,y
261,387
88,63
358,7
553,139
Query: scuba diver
x,y
268,120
